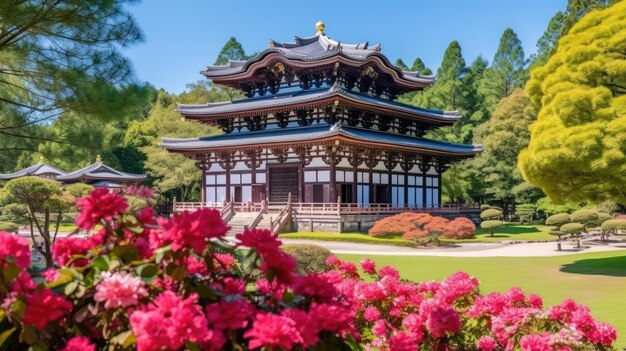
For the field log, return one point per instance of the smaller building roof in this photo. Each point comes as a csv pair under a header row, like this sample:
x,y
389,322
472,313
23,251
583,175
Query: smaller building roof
x,y
314,133
100,171
38,169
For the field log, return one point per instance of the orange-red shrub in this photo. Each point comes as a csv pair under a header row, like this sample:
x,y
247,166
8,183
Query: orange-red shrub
x,y
413,225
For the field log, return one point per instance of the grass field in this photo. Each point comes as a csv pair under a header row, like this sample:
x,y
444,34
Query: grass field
x,y
597,280
508,232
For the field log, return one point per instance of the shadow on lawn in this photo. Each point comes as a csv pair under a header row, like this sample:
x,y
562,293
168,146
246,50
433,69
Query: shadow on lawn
x,y
611,266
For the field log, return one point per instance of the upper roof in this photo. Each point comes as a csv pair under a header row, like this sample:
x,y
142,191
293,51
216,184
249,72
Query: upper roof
x,y
316,49
38,169
320,133
100,171
272,103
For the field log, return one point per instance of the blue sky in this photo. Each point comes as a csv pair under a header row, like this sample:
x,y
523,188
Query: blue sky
x,y
184,36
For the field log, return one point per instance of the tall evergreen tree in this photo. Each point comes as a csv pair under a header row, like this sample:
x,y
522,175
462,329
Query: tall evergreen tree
x,y
401,65
419,66
60,56
507,71
232,50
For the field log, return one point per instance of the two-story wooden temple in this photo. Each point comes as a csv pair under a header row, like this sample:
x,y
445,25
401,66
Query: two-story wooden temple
x,y
319,127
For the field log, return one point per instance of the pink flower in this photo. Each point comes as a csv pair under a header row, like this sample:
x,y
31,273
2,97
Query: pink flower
x,y
260,240
14,249
306,328
189,230
119,289
64,249
403,341
196,265
43,307
279,265
380,328
371,314
457,285
332,317
535,301
168,321
536,342
224,261
229,315
50,274
368,266
316,286
141,191
273,331
602,333
79,343
487,343
100,204
389,271
443,320
24,283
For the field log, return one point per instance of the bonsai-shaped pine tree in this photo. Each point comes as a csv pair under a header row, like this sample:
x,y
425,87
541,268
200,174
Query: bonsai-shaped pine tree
x,y
491,219
557,221
614,226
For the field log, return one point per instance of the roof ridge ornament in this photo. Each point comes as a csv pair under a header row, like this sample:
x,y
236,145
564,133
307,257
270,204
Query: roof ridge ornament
x,y
41,160
319,27
98,159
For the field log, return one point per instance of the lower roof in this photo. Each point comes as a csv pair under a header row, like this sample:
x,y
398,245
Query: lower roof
x,y
38,169
100,171
319,133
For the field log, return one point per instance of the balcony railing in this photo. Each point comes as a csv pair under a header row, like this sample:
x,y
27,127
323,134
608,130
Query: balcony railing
x,y
332,208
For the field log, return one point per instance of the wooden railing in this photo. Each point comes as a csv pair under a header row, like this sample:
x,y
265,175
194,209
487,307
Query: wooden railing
x,y
227,211
332,208
283,216
255,221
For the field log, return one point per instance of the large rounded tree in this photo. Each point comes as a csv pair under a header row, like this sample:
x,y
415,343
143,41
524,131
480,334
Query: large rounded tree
x,y
578,143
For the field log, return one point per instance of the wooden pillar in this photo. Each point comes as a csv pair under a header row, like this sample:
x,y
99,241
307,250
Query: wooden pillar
x,y
301,182
355,182
203,190
406,188
228,195
333,178
439,190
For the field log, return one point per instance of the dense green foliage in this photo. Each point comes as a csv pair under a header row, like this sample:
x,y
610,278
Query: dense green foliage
x,y
309,258
577,150
558,219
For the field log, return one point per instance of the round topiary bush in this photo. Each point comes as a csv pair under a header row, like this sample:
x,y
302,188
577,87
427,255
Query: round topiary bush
x,y
558,219
572,228
614,225
309,258
491,225
584,216
460,228
491,213
602,217
9,227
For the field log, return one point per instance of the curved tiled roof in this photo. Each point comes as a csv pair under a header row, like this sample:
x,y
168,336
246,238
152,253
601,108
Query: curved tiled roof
x,y
312,133
100,171
316,48
303,97
34,170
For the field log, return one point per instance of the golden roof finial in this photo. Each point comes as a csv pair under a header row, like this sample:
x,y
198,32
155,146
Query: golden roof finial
x,y
98,158
41,159
320,26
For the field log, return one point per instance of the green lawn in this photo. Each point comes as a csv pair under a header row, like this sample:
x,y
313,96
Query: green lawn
x,y
597,280
348,237
508,232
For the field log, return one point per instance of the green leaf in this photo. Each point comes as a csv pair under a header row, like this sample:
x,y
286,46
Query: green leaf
x,y
179,273
126,252
5,335
101,262
28,335
70,288
147,270
10,272
191,346
125,339
63,278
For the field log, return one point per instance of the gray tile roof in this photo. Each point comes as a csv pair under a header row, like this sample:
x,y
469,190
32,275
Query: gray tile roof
x,y
283,100
311,133
34,170
315,48
100,171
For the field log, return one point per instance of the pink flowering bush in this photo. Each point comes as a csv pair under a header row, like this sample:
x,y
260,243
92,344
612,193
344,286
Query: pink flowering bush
x,y
149,283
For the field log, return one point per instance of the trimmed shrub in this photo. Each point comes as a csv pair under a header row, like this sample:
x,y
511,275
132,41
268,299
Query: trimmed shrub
x,y
491,213
9,227
309,258
584,216
572,228
558,219
461,228
399,224
602,217
613,225
491,225
484,207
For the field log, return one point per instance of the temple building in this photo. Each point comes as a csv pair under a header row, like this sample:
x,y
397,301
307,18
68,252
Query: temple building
x,y
320,129
40,169
99,175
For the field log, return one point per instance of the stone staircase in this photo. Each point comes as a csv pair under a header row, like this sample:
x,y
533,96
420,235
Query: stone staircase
x,y
241,219
238,221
